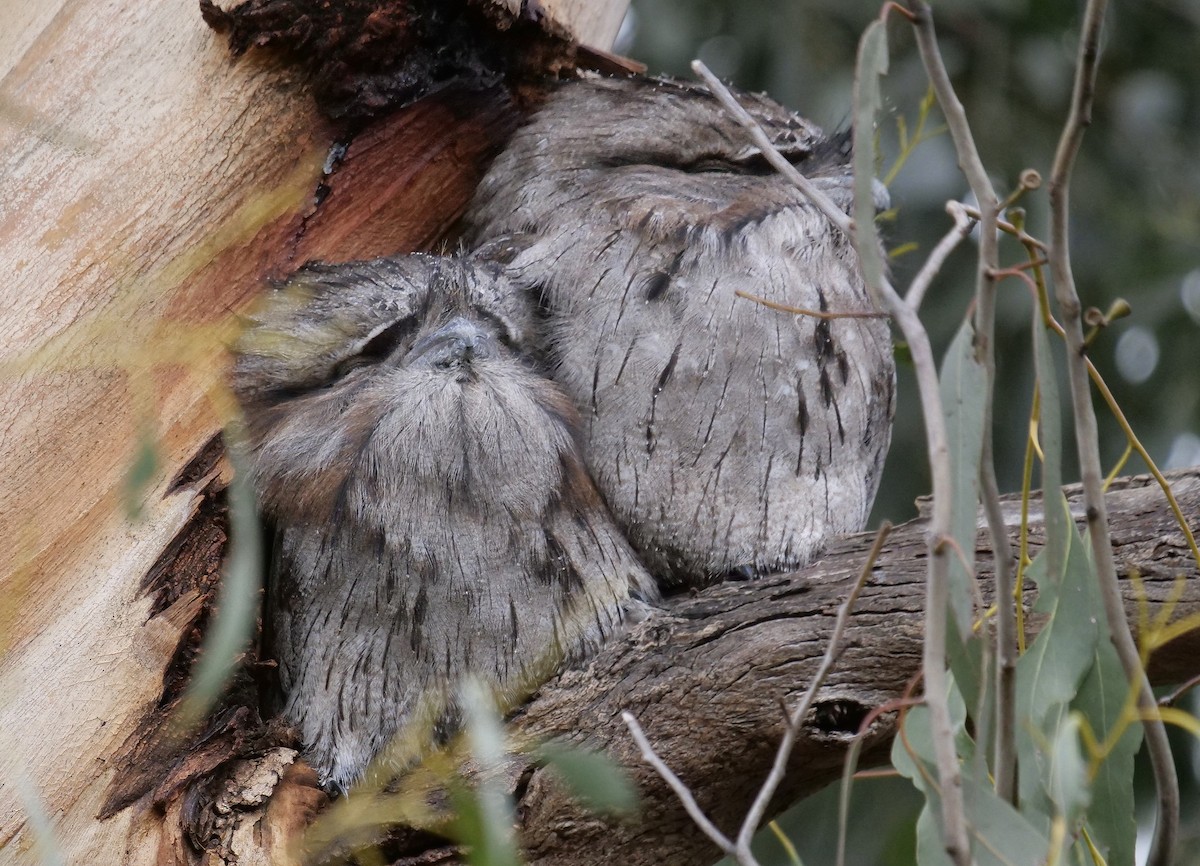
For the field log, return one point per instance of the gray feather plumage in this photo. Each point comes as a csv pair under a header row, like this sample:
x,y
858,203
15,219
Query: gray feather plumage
x,y
433,516
724,435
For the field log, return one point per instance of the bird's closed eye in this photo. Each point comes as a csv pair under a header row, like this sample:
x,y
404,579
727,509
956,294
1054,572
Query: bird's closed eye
x,y
380,346
752,164
503,333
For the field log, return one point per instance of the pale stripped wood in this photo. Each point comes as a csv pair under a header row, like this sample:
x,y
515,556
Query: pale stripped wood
x,y
128,142
150,183
591,22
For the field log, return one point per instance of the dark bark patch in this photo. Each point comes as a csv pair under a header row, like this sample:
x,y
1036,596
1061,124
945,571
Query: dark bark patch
x,y
368,58
838,717
202,463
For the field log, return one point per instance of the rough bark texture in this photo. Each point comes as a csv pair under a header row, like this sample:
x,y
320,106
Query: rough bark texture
x,y
707,678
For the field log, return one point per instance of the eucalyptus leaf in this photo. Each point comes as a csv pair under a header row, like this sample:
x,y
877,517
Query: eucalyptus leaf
x,y
237,604
485,817
931,850
963,385
1035,757
141,473
1049,673
1057,520
1068,783
966,658
475,828
872,63
593,777
912,751
46,851
1000,835
1111,818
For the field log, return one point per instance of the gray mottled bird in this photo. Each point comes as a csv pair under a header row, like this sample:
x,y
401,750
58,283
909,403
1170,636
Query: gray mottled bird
x,y
433,518
726,437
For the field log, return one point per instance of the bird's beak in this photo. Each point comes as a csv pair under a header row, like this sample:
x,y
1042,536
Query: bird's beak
x,y
455,343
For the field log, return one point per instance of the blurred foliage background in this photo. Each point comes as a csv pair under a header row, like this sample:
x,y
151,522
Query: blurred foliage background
x,y
1135,231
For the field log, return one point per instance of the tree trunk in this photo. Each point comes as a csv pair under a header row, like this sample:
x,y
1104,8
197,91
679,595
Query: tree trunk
x,y
151,184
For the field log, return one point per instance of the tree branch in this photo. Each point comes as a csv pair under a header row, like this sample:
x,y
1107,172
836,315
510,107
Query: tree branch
x,y
706,677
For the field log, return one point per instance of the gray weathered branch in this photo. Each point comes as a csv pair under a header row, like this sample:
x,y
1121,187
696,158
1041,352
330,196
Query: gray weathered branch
x,y
706,679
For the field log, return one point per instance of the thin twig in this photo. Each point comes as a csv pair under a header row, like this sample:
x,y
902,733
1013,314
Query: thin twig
x,y
1137,445
985,331
1087,440
805,311
755,814
963,223
777,160
936,587
1007,651
681,790
1010,228
1169,700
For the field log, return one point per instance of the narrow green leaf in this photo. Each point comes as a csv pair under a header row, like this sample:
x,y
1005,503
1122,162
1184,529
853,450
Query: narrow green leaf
x,y
1000,835
485,819
593,777
1057,520
1050,671
1068,781
970,663
237,605
914,748
913,758
46,850
872,63
966,656
1035,759
963,385
1111,816
475,828
141,472
931,850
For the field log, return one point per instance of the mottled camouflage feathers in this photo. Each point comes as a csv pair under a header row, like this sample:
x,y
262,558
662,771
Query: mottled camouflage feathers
x,y
725,436
432,514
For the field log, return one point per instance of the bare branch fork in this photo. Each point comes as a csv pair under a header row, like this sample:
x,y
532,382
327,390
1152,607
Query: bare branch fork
x,y
937,589
1087,438
985,331
740,849
963,223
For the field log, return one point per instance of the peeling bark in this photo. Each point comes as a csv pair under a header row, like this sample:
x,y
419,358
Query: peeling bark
x,y
152,185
